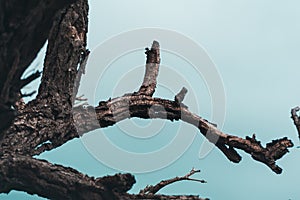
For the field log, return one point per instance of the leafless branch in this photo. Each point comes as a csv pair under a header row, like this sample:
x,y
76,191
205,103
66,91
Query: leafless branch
x,y
50,120
114,110
57,182
150,189
151,73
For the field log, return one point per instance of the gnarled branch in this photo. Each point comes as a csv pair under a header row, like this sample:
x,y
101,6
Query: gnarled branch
x,y
49,121
117,109
114,110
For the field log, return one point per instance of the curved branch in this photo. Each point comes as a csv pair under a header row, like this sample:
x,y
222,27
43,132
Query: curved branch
x,y
66,56
52,181
110,112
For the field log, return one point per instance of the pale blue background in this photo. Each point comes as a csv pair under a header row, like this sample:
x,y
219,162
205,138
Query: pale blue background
x,y
255,45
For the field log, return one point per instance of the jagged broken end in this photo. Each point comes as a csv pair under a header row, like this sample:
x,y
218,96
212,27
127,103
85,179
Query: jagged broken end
x,y
274,151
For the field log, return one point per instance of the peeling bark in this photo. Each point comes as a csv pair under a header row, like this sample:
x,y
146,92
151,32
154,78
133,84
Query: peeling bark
x,y
115,110
47,122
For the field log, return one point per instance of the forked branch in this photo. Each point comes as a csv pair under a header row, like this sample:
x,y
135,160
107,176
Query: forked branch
x,y
142,103
49,121
152,66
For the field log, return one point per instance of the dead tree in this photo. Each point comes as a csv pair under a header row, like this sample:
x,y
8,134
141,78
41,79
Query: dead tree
x,y
27,128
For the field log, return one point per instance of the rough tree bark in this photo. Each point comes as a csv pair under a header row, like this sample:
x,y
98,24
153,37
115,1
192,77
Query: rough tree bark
x,y
50,120
24,28
296,119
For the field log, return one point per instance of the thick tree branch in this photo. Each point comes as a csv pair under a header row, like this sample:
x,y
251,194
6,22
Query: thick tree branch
x,y
110,112
66,56
51,118
57,182
47,122
117,109
24,27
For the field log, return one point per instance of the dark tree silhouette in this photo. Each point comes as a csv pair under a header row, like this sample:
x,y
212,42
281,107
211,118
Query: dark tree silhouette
x,y
50,120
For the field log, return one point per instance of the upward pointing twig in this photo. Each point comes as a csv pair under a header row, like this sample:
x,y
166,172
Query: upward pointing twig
x,y
152,66
180,96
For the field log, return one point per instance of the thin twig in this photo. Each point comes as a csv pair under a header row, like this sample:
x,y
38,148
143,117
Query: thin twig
x,y
154,189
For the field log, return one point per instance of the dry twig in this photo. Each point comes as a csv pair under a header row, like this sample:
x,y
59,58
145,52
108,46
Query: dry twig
x,y
154,189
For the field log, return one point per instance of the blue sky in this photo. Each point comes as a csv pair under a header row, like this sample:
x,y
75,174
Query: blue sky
x,y
254,45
